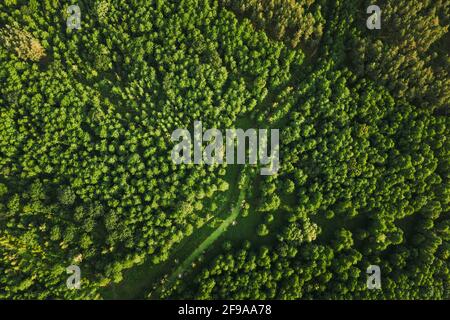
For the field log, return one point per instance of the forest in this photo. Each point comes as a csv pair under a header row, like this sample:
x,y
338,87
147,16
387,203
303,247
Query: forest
x,y
86,176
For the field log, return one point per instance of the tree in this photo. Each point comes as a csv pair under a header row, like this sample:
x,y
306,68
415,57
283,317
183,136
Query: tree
x,y
262,230
22,43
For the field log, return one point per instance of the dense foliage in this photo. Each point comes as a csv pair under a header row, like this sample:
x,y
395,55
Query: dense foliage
x,y
86,177
409,55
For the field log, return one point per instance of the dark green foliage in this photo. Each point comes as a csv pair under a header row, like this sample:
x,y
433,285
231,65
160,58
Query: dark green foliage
x,y
410,54
86,176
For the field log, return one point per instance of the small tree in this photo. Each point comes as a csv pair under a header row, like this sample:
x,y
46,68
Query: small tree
x,y
67,196
263,230
22,42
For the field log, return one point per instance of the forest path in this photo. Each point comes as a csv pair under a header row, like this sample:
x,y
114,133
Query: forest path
x,y
187,263
148,280
139,280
